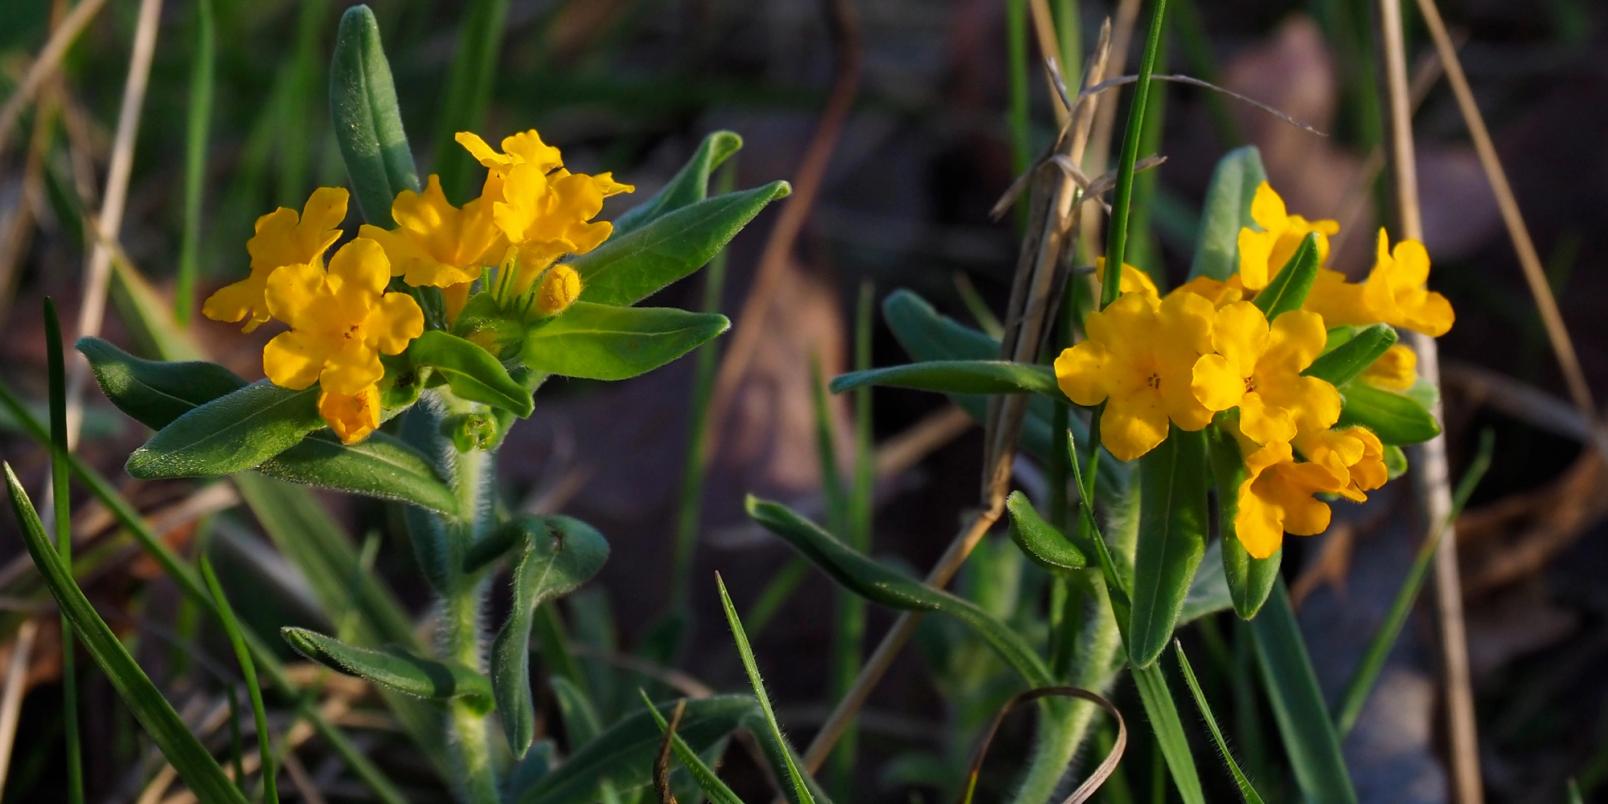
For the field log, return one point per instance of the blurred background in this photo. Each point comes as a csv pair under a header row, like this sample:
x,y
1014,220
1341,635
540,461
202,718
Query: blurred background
x,y
894,119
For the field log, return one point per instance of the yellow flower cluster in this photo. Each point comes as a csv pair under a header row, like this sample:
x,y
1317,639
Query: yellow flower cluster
x,y
1180,360
531,211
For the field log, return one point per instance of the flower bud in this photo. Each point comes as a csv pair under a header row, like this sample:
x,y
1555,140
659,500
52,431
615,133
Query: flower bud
x,y
560,287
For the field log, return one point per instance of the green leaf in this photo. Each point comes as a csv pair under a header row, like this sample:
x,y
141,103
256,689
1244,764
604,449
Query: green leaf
x,y
192,761
472,372
1249,579
234,432
880,584
631,267
559,554
1292,688
957,377
1395,461
1344,362
1395,418
1042,542
368,125
156,393
248,674
1208,593
1288,290
797,791
1172,539
599,342
394,669
1226,211
623,756
689,186
1247,791
1168,730
708,782
581,723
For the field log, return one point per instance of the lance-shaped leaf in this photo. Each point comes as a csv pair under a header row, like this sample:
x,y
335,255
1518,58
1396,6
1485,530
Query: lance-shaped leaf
x,y
156,393
234,432
394,669
1395,418
368,125
1347,360
1172,539
705,776
191,759
559,554
689,186
1288,290
623,756
1226,211
602,342
629,268
471,372
957,377
1249,579
1042,542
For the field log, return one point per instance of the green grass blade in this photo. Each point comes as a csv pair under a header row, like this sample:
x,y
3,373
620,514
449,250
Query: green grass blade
x,y
199,117
191,585
1169,731
469,85
850,631
62,519
197,767
798,791
1292,689
1247,791
248,671
1366,675
708,782
1122,198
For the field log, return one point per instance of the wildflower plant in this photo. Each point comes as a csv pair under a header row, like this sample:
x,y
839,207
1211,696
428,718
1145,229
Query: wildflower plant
x,y
405,351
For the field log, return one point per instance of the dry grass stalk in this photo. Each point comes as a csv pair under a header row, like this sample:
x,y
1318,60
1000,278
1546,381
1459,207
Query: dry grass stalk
x,y
1432,478
46,65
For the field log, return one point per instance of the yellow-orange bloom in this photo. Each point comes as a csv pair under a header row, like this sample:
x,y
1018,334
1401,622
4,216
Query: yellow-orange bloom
x,y
341,321
1138,359
1395,370
281,238
1257,368
1263,253
1132,280
1354,456
1276,497
1217,291
436,244
351,416
1395,292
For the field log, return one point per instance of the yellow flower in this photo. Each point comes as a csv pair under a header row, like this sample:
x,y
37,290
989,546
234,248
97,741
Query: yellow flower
x,y
436,244
1219,292
341,321
352,416
1394,292
1132,280
1258,368
1395,370
525,147
281,238
1354,456
1138,359
1276,498
1263,253
560,288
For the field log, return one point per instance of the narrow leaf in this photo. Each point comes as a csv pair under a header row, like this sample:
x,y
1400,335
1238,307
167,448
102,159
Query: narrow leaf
x,y
1247,791
1249,579
705,776
798,792
248,673
957,377
631,267
192,761
1395,418
1172,539
1292,688
689,186
1042,542
1288,290
1227,209
394,669
600,342
1344,362
368,125
558,555
234,432
472,372
1169,731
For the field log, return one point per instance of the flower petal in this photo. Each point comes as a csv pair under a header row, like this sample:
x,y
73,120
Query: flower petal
x,y
1081,371
1216,383
1133,425
292,290
480,150
325,209
351,416
1295,340
1267,208
356,365
293,359
1240,335
393,323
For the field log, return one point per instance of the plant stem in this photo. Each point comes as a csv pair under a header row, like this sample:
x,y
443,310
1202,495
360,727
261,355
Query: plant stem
x,y
460,634
1117,237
